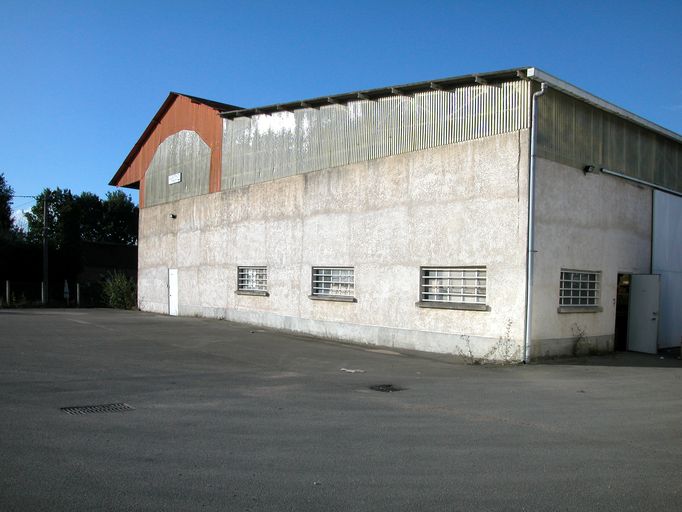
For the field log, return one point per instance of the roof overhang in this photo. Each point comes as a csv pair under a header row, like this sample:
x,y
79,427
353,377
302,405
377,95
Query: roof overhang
x,y
442,84
493,77
540,76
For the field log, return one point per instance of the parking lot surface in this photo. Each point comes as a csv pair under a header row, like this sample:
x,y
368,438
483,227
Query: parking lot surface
x,y
230,417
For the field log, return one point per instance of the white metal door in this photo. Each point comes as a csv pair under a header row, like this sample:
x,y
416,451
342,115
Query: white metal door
x,y
173,291
643,313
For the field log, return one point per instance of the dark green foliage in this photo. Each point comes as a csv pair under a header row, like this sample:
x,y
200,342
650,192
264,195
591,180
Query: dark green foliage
x,y
62,218
90,217
119,219
119,291
85,235
6,194
83,218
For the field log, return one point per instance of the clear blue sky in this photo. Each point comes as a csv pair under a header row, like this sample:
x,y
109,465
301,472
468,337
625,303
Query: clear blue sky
x,y
79,81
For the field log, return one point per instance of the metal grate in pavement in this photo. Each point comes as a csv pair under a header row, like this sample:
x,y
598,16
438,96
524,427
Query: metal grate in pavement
x,y
386,388
92,409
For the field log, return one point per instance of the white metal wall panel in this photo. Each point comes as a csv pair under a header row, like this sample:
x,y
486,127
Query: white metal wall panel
x,y
667,261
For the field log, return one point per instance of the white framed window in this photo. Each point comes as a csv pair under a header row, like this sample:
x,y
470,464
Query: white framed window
x,y
579,288
333,283
453,287
252,280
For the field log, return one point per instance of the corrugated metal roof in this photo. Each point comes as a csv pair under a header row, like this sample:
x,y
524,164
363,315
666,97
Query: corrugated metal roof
x,y
523,73
540,76
371,94
215,105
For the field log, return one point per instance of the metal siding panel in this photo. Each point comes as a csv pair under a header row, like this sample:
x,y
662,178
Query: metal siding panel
x,y
573,132
271,146
183,152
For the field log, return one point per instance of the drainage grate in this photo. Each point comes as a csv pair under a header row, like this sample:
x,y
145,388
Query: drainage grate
x,y
92,409
386,388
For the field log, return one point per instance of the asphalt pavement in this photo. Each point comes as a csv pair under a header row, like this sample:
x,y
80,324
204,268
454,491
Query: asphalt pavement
x,y
222,416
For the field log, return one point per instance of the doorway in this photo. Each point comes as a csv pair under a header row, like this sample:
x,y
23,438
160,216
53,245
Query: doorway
x,y
637,297
620,337
173,291
643,313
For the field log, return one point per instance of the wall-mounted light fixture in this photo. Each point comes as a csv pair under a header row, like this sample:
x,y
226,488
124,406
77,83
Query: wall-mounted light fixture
x,y
588,168
173,216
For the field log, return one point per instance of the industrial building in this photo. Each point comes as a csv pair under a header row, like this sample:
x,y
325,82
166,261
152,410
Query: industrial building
x,y
504,215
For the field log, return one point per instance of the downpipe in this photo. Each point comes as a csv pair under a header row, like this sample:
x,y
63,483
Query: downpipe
x,y
530,256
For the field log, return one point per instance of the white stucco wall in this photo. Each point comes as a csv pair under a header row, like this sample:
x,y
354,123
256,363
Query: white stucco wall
x,y
584,222
459,204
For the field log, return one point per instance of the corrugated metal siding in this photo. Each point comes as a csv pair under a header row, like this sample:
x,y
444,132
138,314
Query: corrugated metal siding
x,y
270,146
575,133
183,152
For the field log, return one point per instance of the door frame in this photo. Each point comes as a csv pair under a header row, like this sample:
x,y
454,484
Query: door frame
x,y
641,320
173,304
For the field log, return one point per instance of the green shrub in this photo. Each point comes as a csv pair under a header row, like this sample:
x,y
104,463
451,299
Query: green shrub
x,y
119,291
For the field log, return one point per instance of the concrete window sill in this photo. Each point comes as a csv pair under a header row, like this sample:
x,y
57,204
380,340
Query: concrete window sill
x,y
452,305
257,293
333,298
579,309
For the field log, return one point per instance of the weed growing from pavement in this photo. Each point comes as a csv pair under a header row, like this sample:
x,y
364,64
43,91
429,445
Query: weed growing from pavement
x,y
468,356
504,351
580,343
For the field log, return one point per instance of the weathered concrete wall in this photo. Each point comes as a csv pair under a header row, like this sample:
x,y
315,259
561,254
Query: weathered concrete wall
x,y
459,204
584,222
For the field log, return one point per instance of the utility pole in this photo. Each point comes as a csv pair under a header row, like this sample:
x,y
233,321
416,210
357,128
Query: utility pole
x,y
45,287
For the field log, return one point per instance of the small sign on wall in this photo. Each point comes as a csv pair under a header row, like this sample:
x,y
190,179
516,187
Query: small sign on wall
x,y
175,178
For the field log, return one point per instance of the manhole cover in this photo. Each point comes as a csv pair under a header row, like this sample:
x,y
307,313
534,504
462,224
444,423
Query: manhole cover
x,y
386,388
92,409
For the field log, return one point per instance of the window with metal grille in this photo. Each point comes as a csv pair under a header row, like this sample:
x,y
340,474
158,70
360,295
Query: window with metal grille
x,y
333,282
457,285
579,288
252,279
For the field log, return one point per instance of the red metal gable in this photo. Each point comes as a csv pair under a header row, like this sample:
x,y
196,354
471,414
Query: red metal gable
x,y
178,112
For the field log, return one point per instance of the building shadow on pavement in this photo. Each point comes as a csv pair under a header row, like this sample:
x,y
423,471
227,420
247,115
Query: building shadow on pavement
x,y
666,358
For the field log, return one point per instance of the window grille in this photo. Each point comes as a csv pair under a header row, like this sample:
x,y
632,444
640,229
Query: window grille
x,y
333,282
454,284
252,279
579,288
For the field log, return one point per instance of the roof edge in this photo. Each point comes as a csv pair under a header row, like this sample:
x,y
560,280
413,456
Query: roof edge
x,y
521,73
556,83
403,89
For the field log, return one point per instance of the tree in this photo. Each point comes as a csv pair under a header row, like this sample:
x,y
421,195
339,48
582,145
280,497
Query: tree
x,y
72,219
63,218
91,213
119,219
6,195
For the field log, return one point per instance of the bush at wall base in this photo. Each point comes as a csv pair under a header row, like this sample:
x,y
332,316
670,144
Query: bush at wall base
x,y
119,291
